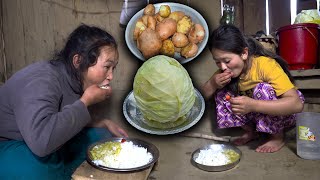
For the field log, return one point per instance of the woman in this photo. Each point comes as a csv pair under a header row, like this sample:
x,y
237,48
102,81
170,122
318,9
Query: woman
x,y
44,108
263,96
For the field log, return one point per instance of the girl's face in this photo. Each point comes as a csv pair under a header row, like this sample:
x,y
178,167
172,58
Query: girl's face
x,y
102,72
230,62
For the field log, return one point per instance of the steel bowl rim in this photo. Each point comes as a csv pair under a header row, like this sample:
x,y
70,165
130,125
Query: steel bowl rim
x,y
155,154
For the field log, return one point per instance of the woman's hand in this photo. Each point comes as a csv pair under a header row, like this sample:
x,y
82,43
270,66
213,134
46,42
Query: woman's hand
x,y
115,129
94,94
241,105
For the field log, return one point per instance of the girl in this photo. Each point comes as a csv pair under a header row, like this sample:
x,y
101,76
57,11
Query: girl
x,y
44,108
262,91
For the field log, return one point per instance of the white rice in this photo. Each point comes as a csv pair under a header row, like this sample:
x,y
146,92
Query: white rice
x,y
212,157
130,156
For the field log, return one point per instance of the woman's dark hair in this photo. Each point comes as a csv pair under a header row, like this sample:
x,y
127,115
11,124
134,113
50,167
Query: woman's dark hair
x,y
86,41
229,38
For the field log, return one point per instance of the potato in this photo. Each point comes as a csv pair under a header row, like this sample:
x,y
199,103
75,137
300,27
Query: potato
x,y
189,51
149,10
180,40
152,23
158,17
167,48
140,26
176,15
178,50
166,28
145,19
184,25
164,11
149,43
149,21
165,32
196,34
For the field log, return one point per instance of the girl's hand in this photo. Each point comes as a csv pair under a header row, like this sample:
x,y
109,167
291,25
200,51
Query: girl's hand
x,y
222,79
242,105
94,94
217,81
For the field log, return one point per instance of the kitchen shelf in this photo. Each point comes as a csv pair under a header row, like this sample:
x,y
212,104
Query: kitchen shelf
x,y
307,79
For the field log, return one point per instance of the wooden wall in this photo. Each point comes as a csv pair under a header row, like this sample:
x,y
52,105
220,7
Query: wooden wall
x,y
254,16
34,28
251,15
279,14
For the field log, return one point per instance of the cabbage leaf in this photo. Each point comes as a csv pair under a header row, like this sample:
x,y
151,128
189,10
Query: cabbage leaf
x,y
163,91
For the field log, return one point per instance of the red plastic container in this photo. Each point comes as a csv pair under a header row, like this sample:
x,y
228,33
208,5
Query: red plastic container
x,y
299,45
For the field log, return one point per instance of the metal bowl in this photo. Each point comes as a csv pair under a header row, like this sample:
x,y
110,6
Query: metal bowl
x,y
224,167
195,16
134,116
150,148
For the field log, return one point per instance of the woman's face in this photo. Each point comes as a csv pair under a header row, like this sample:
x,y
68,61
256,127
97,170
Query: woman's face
x,y
102,72
227,61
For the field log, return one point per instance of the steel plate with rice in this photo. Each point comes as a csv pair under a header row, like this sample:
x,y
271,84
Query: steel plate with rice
x,y
136,119
122,154
216,157
195,16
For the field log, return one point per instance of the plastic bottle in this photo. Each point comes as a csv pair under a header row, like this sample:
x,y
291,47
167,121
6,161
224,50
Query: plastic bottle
x,y
308,135
228,14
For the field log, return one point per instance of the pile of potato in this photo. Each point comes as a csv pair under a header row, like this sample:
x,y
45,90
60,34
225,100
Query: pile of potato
x,y
165,32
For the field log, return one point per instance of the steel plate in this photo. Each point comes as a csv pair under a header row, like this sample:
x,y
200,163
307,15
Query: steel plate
x,y
135,117
225,167
150,148
195,16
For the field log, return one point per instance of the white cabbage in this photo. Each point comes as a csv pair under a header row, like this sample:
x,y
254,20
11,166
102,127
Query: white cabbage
x,y
163,91
308,16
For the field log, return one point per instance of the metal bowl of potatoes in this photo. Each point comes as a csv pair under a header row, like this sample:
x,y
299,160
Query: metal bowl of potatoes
x,y
195,17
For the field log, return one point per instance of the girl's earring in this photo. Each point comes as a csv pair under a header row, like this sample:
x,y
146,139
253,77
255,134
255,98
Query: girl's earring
x,y
244,57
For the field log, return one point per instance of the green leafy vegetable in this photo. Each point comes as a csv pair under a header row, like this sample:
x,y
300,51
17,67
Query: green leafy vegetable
x,y
163,91
98,152
232,156
308,16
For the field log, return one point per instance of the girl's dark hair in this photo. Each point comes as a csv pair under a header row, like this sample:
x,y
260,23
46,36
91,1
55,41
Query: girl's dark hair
x,y
86,41
229,38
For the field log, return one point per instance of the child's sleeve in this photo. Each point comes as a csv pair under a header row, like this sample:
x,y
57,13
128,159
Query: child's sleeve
x,y
276,77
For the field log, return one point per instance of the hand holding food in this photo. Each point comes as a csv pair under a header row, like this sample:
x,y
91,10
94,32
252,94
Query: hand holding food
x,y
228,97
95,94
